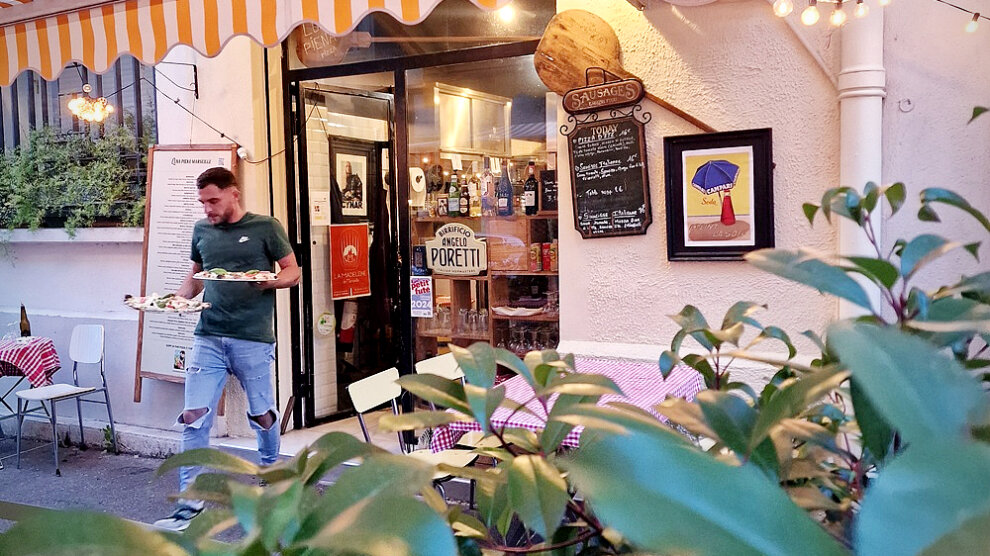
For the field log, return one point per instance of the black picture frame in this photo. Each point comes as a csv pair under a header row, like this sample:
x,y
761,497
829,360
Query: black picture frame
x,y
693,233
354,193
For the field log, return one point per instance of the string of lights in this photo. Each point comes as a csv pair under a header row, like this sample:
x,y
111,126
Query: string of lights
x,y
811,14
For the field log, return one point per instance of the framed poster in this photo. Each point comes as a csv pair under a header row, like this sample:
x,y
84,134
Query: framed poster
x,y
719,194
350,274
351,161
172,208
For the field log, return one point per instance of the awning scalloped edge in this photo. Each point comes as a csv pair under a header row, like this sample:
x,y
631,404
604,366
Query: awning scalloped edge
x,y
150,29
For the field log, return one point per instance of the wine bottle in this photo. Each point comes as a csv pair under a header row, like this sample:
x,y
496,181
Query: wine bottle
x,y
464,200
454,196
529,190
487,189
503,193
25,323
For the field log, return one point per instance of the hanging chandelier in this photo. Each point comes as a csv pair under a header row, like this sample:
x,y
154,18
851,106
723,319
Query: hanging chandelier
x,y
90,109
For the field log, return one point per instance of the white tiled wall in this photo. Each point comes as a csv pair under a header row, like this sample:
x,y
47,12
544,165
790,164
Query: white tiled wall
x,y
324,364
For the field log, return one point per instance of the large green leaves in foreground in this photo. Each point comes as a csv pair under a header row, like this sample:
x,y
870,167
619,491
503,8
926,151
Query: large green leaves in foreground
x,y
935,496
899,372
84,533
666,496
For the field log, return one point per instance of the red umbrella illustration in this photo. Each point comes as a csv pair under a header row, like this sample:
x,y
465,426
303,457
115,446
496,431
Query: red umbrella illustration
x,y
716,176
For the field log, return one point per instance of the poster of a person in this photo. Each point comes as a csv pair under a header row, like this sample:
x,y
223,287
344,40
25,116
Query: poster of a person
x,y
352,178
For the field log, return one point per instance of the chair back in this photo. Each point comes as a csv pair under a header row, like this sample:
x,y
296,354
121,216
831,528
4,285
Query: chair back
x,y
375,390
86,345
442,365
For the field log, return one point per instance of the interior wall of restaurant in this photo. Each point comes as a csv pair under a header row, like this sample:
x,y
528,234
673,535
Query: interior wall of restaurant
x,y
734,66
936,74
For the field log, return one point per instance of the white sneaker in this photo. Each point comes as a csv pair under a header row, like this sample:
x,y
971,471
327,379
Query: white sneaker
x,y
180,518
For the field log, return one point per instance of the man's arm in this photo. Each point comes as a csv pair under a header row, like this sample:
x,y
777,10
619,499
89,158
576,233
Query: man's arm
x,y
191,287
288,274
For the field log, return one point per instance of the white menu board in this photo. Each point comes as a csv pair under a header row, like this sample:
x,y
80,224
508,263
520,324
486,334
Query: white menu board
x,y
165,340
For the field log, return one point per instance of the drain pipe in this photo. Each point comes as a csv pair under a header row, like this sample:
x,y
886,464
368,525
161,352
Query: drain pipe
x,y
862,88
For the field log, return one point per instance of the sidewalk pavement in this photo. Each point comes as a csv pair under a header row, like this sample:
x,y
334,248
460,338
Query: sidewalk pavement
x,y
124,485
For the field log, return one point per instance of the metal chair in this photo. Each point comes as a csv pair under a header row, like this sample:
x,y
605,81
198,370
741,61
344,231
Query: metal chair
x,y
85,346
381,388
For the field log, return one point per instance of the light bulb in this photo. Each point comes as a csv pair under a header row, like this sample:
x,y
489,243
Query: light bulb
x,y
973,23
838,17
783,8
810,14
884,2
862,10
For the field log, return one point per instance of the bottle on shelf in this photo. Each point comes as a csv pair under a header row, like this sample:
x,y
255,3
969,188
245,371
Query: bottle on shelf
x,y
474,191
503,193
465,200
529,190
487,189
454,196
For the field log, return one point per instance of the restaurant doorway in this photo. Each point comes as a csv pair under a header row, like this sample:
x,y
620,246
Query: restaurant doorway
x,y
345,190
407,75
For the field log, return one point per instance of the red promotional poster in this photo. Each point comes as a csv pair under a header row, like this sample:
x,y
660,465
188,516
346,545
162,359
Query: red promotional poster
x,y
349,275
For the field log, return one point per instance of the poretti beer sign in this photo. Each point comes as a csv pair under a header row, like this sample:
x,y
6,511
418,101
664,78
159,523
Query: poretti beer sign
x,y
456,252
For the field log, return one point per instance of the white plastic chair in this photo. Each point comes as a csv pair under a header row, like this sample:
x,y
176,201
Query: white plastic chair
x,y
85,346
446,366
380,388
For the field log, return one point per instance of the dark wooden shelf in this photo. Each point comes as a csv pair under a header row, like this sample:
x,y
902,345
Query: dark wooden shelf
x,y
539,317
480,277
523,273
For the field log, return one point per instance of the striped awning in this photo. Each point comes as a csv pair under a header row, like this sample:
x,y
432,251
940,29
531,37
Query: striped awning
x,y
47,35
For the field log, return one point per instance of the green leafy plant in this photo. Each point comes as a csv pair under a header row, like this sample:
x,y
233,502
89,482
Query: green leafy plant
x,y
73,179
878,445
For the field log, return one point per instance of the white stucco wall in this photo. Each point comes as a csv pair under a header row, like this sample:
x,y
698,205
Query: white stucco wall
x,y
936,74
735,66
65,282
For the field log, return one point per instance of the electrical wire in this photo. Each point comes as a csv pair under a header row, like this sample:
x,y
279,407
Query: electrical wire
x,y
962,9
169,79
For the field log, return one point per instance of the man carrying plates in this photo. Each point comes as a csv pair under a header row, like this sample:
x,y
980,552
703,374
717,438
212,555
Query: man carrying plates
x,y
236,334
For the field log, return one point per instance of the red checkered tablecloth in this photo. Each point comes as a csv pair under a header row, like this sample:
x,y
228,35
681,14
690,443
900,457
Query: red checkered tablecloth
x,y
640,381
33,357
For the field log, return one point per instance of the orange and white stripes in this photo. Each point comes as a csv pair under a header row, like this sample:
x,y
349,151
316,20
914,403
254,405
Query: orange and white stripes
x,y
148,29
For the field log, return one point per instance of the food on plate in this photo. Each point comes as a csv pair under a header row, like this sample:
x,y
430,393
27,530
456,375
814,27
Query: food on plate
x,y
168,303
253,275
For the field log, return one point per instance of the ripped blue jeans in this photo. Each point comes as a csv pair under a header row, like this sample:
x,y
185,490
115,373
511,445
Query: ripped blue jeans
x,y
213,357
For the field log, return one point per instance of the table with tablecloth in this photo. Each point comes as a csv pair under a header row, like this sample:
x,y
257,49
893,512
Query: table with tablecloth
x,y
640,381
32,357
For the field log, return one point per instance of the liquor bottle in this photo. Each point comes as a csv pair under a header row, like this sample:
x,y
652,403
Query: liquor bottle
x,y
487,189
465,200
529,190
454,196
474,191
25,323
503,193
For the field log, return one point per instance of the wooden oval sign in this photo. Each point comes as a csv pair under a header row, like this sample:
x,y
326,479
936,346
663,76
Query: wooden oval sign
x,y
606,95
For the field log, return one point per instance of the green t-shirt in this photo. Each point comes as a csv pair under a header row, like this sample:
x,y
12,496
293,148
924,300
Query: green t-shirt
x,y
239,310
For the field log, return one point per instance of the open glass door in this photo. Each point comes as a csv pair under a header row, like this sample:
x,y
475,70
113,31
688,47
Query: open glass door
x,y
346,218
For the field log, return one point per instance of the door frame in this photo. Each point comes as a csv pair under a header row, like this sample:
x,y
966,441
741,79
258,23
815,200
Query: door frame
x,y
297,195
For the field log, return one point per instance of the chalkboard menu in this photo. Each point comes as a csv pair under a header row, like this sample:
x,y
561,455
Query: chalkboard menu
x,y
611,187
548,190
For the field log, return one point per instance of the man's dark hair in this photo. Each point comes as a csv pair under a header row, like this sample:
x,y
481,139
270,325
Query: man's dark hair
x,y
220,177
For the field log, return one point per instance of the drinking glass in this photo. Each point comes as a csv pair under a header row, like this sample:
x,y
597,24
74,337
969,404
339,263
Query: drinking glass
x,y
472,320
462,321
483,321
